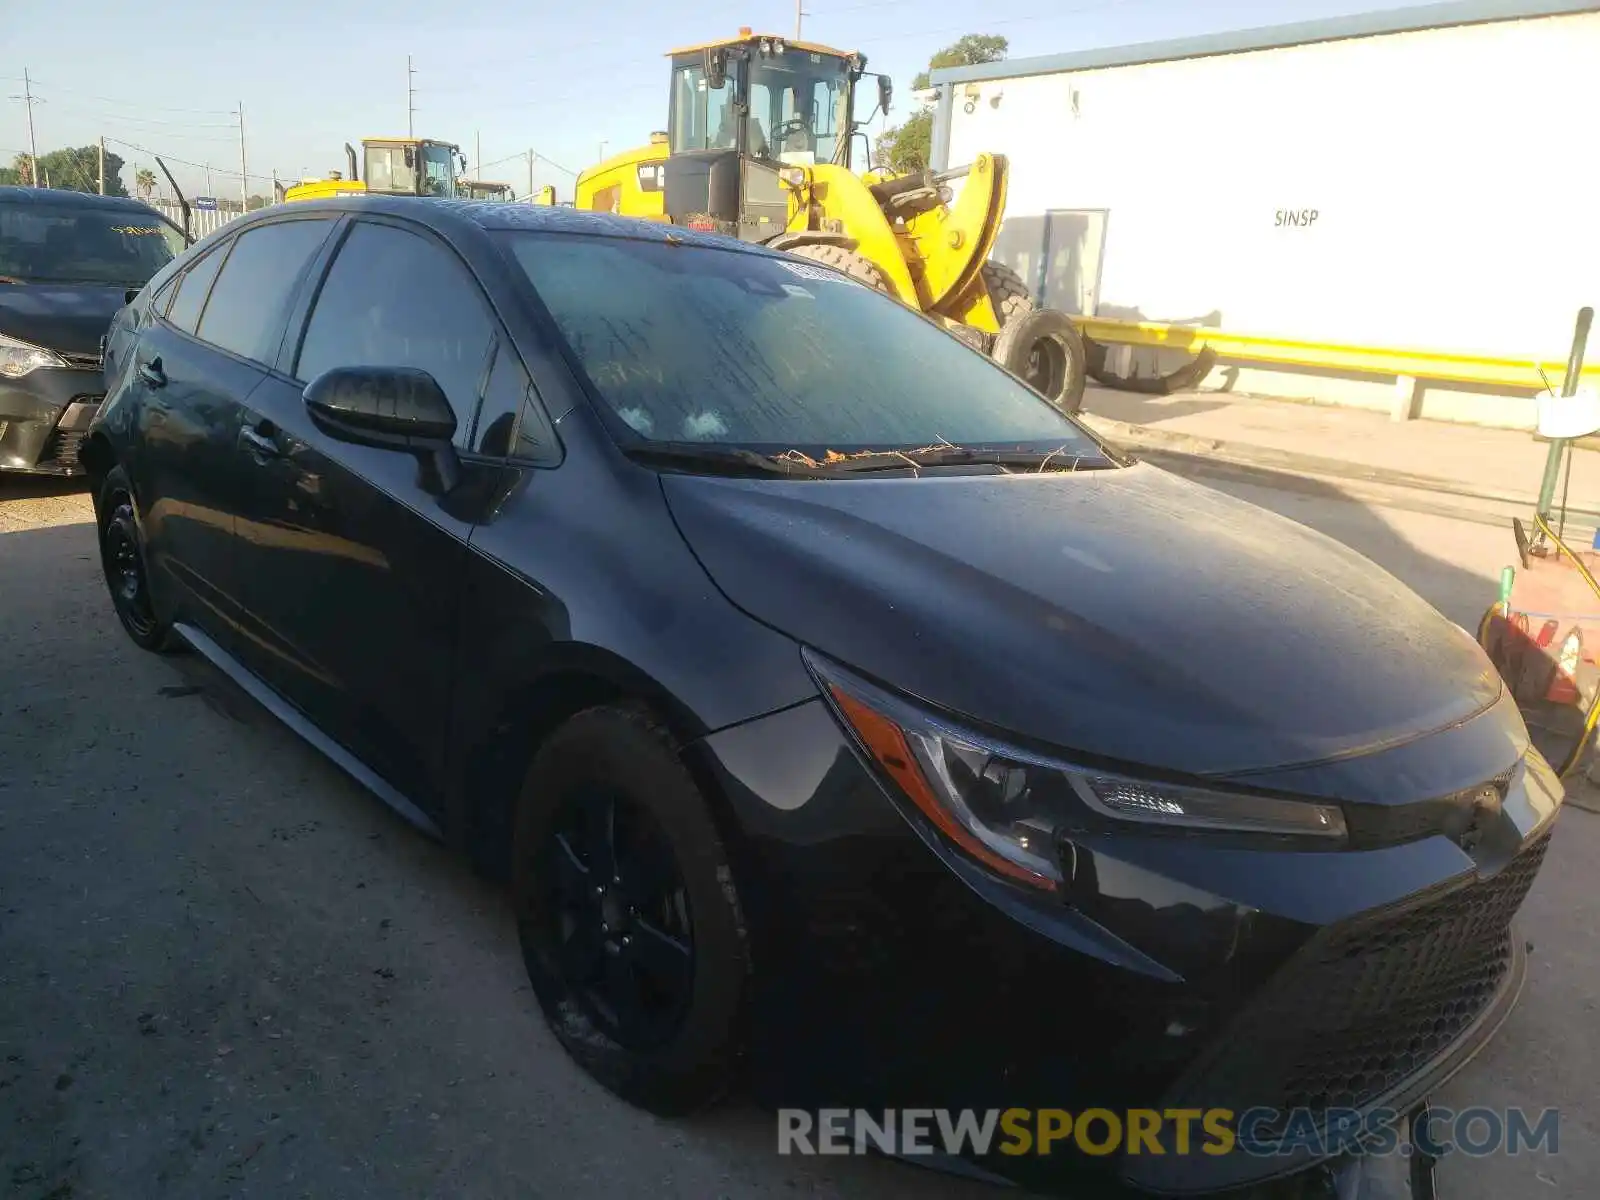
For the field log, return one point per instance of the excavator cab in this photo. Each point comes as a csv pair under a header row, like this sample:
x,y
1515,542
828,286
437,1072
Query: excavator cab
x,y
411,167
741,111
392,167
482,189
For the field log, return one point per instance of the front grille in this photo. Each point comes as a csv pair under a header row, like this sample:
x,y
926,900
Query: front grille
x,y
85,362
1366,1005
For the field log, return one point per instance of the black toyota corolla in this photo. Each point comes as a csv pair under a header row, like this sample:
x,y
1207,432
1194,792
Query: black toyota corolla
x,y
67,263
846,719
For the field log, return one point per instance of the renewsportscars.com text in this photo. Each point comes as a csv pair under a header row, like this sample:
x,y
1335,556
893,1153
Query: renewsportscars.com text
x,y
1261,1132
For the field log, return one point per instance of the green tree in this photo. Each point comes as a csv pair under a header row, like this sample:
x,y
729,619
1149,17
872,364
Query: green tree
x,y
20,172
77,169
70,169
144,181
909,145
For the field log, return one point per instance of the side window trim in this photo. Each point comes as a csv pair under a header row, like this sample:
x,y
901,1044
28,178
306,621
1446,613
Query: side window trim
x,y
288,318
223,249
294,333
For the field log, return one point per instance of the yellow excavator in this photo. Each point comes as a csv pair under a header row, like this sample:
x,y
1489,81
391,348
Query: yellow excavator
x,y
762,143
394,167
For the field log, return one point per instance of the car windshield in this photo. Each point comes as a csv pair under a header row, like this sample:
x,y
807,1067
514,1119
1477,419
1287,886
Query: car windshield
x,y
768,353
42,243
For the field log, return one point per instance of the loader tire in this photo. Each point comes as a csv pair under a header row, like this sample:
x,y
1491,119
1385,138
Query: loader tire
x,y
1007,292
1045,350
857,266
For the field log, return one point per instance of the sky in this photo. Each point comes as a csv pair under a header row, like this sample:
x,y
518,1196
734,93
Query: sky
x,y
565,82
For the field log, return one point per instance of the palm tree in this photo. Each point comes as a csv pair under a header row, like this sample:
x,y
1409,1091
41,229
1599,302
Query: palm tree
x,y
144,182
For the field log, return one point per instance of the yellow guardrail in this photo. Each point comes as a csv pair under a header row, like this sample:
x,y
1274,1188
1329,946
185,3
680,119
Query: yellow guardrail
x,y
1375,360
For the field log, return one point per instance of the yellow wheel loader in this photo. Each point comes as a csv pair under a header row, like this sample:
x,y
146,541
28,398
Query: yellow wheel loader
x,y
394,167
761,143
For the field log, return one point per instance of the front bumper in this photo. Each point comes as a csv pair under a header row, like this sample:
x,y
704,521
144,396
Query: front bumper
x,y
1174,974
44,417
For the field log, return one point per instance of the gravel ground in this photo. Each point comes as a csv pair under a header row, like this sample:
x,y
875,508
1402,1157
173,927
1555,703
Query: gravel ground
x,y
226,971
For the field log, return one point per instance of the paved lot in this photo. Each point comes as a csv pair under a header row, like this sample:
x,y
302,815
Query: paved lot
x,y
225,971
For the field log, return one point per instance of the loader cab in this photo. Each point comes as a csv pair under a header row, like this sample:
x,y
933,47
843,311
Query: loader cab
x,y
411,167
743,110
482,189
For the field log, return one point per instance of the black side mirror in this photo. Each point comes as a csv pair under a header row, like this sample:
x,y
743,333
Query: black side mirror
x,y
885,93
393,408
715,63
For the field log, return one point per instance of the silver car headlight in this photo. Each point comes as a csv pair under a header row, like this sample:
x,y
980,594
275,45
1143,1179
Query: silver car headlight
x,y
19,358
1006,806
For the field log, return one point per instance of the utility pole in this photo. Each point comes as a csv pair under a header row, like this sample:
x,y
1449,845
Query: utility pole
x,y
33,145
209,190
411,99
603,151
799,12
244,178
102,166
531,157
477,155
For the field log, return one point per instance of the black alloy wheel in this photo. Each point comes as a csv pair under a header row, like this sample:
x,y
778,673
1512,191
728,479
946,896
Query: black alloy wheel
x,y
631,928
619,919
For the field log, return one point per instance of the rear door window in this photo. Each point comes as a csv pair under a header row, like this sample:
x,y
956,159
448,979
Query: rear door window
x,y
251,298
193,289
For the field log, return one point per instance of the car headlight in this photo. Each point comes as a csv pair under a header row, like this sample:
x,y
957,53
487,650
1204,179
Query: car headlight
x,y
1006,806
18,358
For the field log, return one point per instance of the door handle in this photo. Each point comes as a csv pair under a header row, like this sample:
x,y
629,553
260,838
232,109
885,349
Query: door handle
x,y
258,445
152,373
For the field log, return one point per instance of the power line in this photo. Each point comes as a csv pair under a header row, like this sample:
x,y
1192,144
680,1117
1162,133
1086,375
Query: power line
x,y
97,116
214,112
184,161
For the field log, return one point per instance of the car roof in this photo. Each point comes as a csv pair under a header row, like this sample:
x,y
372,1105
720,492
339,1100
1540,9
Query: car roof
x,y
65,198
498,215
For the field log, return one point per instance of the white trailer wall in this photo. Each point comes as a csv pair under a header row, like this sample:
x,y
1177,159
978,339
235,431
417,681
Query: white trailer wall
x,y
1454,174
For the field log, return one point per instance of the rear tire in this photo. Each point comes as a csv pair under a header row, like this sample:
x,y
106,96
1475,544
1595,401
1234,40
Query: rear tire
x,y
630,927
857,266
1045,350
123,560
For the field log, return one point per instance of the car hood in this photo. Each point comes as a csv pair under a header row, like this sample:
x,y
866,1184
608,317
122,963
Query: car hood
x,y
71,319
1123,614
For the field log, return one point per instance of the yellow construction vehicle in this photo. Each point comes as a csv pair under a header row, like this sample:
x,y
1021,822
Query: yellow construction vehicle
x,y
482,189
394,167
762,143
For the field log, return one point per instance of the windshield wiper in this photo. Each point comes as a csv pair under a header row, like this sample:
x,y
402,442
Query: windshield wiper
x,y
1060,459
723,460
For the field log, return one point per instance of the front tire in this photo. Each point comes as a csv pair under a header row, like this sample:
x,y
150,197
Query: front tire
x,y
1007,292
630,927
859,267
123,560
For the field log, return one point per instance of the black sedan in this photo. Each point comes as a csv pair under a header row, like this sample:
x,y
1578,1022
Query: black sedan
x,y
68,262
847,720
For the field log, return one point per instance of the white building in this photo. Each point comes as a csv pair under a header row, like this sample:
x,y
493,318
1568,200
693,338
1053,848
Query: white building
x,y
1425,178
